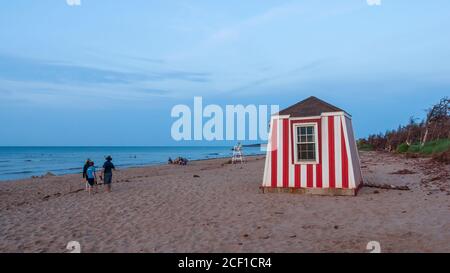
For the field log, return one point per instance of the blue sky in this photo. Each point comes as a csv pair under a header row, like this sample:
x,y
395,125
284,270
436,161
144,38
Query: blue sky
x,y
109,72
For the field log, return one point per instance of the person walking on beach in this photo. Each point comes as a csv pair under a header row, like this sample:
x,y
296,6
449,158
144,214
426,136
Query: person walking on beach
x,y
91,177
108,166
85,167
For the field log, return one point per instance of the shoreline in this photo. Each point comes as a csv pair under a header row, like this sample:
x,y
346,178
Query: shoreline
x,y
71,171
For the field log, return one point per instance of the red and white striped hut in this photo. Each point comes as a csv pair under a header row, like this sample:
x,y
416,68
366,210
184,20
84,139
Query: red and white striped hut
x,y
312,149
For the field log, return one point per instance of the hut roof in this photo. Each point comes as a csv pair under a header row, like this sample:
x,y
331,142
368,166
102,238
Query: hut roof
x,y
309,107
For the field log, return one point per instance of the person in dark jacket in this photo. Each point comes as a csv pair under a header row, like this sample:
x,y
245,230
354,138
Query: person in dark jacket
x,y
85,167
108,166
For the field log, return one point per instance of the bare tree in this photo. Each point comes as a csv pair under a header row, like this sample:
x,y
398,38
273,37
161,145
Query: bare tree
x,y
434,127
435,115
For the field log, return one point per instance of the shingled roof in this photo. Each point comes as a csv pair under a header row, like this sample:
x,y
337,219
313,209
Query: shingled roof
x,y
309,107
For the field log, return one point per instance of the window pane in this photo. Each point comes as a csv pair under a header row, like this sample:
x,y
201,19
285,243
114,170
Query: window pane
x,y
310,138
302,138
302,147
304,156
303,130
310,130
306,152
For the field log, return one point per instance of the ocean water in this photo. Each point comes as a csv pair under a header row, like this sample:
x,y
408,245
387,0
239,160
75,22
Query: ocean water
x,y
25,162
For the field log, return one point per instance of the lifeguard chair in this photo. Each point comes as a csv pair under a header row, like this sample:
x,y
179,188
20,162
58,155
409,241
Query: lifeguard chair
x,y
238,156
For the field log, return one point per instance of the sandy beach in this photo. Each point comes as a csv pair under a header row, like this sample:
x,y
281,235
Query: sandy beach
x,y
211,206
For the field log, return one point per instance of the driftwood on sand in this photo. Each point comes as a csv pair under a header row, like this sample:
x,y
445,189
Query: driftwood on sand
x,y
386,187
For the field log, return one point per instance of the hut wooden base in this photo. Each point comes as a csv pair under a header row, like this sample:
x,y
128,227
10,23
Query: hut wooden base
x,y
315,191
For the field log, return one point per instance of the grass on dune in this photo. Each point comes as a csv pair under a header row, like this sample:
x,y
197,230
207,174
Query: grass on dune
x,y
430,148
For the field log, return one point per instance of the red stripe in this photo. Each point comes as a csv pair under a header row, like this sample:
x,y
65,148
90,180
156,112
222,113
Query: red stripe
x,y
285,153
309,176
274,153
331,155
297,176
319,166
344,160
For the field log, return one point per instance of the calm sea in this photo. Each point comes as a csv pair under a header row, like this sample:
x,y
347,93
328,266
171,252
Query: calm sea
x,y
25,162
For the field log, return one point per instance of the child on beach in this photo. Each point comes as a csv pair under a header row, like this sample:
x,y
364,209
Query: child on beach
x,y
91,177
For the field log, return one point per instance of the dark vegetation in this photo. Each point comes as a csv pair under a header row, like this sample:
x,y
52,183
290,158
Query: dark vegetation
x,y
428,137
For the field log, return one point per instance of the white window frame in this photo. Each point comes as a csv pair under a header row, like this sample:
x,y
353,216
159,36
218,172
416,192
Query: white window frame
x,y
316,140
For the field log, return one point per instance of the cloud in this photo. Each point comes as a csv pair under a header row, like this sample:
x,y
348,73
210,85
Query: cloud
x,y
73,2
24,69
233,32
79,96
374,2
157,92
251,86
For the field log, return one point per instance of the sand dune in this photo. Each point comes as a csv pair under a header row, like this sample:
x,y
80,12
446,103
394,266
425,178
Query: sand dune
x,y
167,209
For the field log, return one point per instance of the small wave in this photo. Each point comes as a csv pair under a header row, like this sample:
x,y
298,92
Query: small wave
x,y
21,172
4,161
67,169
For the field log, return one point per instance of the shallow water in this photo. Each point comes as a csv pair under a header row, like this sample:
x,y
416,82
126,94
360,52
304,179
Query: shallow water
x,y
25,162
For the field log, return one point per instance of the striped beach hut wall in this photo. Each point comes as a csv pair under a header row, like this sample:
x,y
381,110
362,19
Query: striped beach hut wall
x,y
312,149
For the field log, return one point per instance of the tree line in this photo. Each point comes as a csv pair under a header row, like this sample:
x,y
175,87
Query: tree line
x,y
434,128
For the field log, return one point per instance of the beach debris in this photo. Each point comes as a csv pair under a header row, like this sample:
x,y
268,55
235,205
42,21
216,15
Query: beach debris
x,y
443,157
387,187
404,171
412,155
196,176
336,227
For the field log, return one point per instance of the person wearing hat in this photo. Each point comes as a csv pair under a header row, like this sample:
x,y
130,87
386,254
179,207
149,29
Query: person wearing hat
x,y
108,166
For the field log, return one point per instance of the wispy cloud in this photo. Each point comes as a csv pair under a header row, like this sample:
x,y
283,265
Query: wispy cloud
x,y
26,69
77,96
261,82
234,31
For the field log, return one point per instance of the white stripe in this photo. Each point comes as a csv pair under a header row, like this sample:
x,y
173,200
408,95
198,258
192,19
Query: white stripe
x,y
280,154
291,166
267,168
349,139
357,168
315,176
355,156
324,159
337,149
303,176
